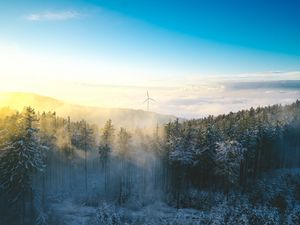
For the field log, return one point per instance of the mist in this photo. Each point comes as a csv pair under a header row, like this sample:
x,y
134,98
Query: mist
x,y
144,176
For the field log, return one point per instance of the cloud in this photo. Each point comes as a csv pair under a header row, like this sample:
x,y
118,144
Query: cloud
x,y
53,16
206,100
280,84
96,83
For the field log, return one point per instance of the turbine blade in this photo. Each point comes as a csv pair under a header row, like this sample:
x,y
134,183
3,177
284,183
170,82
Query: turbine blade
x,y
146,100
152,99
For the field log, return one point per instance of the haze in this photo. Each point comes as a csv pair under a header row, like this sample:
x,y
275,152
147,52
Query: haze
x,y
108,54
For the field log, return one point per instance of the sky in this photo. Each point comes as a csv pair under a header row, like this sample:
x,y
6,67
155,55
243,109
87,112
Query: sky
x,y
196,57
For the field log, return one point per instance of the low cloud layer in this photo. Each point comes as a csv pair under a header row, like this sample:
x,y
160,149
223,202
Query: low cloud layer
x,y
232,93
189,97
195,97
279,84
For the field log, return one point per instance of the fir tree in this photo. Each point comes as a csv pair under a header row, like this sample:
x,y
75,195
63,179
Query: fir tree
x,y
105,148
229,155
22,156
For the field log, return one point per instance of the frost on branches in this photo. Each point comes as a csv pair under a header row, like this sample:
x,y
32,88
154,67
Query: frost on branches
x,y
22,156
229,157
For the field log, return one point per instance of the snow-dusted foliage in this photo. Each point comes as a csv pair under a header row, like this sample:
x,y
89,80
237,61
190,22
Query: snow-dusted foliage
x,y
180,143
229,155
22,155
293,217
264,216
160,214
108,215
229,169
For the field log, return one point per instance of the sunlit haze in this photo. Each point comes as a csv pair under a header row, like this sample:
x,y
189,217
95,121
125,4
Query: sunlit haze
x,y
109,53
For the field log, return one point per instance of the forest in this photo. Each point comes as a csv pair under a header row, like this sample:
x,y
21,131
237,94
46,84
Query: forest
x,y
238,168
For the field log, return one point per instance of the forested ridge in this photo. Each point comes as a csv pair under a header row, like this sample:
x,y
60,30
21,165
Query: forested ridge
x,y
46,159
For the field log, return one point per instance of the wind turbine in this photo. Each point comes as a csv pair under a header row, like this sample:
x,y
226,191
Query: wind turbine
x,y
148,99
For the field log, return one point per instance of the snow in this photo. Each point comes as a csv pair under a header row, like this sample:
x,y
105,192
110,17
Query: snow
x,y
69,213
215,210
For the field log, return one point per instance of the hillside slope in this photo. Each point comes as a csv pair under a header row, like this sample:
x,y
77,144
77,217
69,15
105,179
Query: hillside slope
x,y
121,117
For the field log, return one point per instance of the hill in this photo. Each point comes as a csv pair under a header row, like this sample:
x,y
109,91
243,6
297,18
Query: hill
x,y
129,118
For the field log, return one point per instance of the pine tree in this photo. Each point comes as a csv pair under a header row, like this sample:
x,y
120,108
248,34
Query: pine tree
x,y
107,139
22,156
228,158
123,143
206,154
83,139
181,157
87,141
105,148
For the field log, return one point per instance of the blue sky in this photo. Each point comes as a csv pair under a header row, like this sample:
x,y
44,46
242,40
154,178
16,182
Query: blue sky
x,y
145,43
197,36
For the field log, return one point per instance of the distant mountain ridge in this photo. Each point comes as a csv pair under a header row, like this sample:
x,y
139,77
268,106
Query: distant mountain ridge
x,y
130,118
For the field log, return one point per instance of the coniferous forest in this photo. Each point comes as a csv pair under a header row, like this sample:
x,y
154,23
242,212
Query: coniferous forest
x,y
238,168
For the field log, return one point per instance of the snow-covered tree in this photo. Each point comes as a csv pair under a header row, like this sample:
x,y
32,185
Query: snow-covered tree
x,y
181,156
107,140
105,148
205,155
229,155
123,144
87,141
22,156
182,146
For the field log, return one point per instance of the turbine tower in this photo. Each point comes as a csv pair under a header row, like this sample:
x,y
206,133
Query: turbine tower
x,y
148,99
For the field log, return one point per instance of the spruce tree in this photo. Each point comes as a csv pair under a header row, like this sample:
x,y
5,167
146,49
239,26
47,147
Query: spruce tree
x,y
123,143
105,148
22,156
229,155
